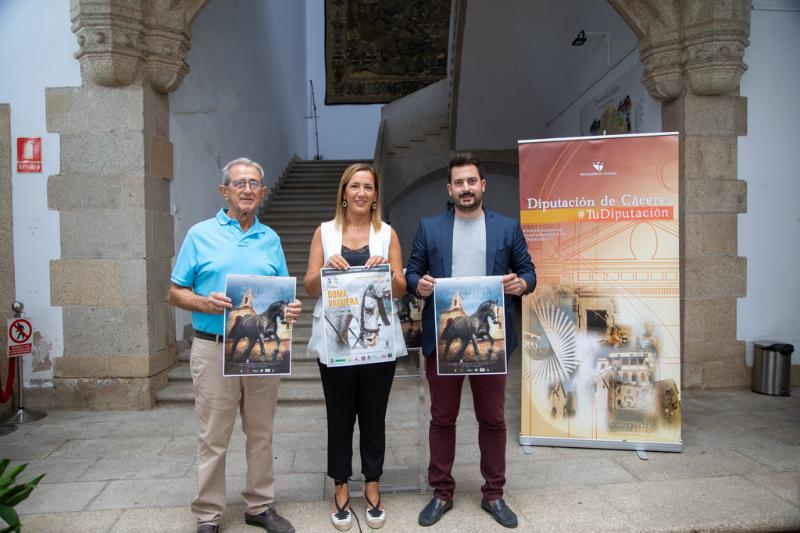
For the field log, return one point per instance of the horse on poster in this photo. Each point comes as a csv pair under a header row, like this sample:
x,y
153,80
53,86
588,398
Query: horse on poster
x,y
471,329
259,329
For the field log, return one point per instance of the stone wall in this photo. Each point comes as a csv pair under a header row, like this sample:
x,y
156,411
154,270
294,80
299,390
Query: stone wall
x,y
7,290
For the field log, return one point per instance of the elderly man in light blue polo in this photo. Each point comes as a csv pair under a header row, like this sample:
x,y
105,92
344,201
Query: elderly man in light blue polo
x,y
233,242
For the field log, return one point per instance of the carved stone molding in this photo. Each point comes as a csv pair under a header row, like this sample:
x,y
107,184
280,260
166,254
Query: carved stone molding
x,y
122,41
689,45
716,35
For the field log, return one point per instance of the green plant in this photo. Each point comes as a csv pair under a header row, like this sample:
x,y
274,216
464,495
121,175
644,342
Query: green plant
x,y
11,494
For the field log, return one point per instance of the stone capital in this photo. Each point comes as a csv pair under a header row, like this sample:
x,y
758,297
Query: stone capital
x,y
689,46
124,41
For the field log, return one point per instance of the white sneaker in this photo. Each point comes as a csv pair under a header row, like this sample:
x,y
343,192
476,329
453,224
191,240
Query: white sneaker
x,y
376,516
342,519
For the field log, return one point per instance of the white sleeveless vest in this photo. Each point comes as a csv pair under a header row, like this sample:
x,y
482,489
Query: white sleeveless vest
x,y
379,242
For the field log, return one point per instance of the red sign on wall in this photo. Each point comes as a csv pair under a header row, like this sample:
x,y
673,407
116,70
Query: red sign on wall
x,y
29,154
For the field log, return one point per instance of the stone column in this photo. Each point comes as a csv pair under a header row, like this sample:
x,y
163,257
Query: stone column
x,y
114,204
693,53
7,288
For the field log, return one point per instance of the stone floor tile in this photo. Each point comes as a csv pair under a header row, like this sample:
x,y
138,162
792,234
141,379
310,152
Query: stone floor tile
x,y
76,430
85,522
185,446
138,468
111,447
783,484
61,497
55,470
151,520
168,427
719,503
770,451
288,487
136,493
664,466
298,441
29,450
565,509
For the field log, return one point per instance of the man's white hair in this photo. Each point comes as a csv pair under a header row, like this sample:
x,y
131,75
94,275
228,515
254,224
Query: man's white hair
x,y
226,171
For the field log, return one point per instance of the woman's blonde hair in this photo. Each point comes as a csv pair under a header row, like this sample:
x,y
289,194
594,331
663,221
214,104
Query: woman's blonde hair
x,y
347,175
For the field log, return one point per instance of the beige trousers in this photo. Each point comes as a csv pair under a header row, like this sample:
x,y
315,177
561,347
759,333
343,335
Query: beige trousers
x,y
216,399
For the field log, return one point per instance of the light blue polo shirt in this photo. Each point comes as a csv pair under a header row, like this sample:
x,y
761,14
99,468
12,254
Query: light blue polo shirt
x,y
217,247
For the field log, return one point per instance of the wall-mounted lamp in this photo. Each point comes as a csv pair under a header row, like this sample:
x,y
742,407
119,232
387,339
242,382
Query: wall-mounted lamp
x,y
580,40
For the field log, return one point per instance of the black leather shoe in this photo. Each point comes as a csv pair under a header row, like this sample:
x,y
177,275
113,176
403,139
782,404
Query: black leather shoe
x,y
269,520
500,511
434,511
208,528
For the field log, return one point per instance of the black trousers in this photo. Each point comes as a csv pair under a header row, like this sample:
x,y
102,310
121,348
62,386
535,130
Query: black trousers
x,y
362,391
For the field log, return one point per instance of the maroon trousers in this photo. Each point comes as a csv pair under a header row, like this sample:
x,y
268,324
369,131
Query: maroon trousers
x,y
488,396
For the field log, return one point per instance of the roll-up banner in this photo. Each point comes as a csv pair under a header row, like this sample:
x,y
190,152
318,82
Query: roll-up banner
x,y
601,332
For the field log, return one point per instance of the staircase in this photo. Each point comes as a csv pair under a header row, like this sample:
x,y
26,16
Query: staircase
x,y
304,198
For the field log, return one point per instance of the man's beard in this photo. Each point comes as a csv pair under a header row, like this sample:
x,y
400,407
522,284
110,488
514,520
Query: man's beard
x,y
476,203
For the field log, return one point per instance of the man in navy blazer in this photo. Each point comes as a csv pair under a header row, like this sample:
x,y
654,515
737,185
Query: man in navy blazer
x,y
468,241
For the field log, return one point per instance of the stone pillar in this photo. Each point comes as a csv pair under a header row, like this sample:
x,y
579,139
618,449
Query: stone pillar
x,y
7,288
693,51
113,201
116,243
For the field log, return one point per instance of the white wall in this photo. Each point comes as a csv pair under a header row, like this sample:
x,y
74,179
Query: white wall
x,y
245,96
345,131
519,70
35,55
769,161
565,121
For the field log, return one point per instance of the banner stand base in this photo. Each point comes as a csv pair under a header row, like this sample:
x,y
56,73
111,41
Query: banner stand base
x,y
635,445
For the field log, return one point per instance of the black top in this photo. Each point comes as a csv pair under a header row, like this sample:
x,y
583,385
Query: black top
x,y
356,258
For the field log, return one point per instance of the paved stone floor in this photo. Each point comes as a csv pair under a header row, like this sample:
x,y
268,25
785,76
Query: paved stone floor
x,y
135,471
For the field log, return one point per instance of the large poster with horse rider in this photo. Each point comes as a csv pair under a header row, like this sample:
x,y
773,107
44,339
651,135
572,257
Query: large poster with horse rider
x,y
470,325
357,308
258,338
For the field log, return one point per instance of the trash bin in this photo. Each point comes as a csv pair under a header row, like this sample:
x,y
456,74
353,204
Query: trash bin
x,y
772,363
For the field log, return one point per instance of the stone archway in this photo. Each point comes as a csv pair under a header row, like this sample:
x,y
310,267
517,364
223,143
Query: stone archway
x,y
693,53
113,198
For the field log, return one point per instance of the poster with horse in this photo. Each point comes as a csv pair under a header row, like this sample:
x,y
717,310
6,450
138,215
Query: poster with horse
x,y
409,312
258,338
470,326
357,307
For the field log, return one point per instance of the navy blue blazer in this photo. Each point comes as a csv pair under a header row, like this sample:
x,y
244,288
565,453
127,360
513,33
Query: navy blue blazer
x,y
432,253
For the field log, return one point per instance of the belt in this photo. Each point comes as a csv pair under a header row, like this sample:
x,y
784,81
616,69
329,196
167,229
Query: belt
x,y
207,336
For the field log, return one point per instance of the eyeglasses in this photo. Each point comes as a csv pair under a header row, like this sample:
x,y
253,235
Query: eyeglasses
x,y
241,184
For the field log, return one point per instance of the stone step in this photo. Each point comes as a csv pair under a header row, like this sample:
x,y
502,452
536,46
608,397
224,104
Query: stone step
x,y
290,392
284,224
299,345
312,183
296,239
306,200
302,370
306,213
311,192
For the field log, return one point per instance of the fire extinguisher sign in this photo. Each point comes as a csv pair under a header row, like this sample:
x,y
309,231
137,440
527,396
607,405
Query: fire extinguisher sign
x,y
29,154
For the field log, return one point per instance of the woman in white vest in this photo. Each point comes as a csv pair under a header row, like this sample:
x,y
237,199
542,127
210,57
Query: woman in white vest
x,y
355,237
